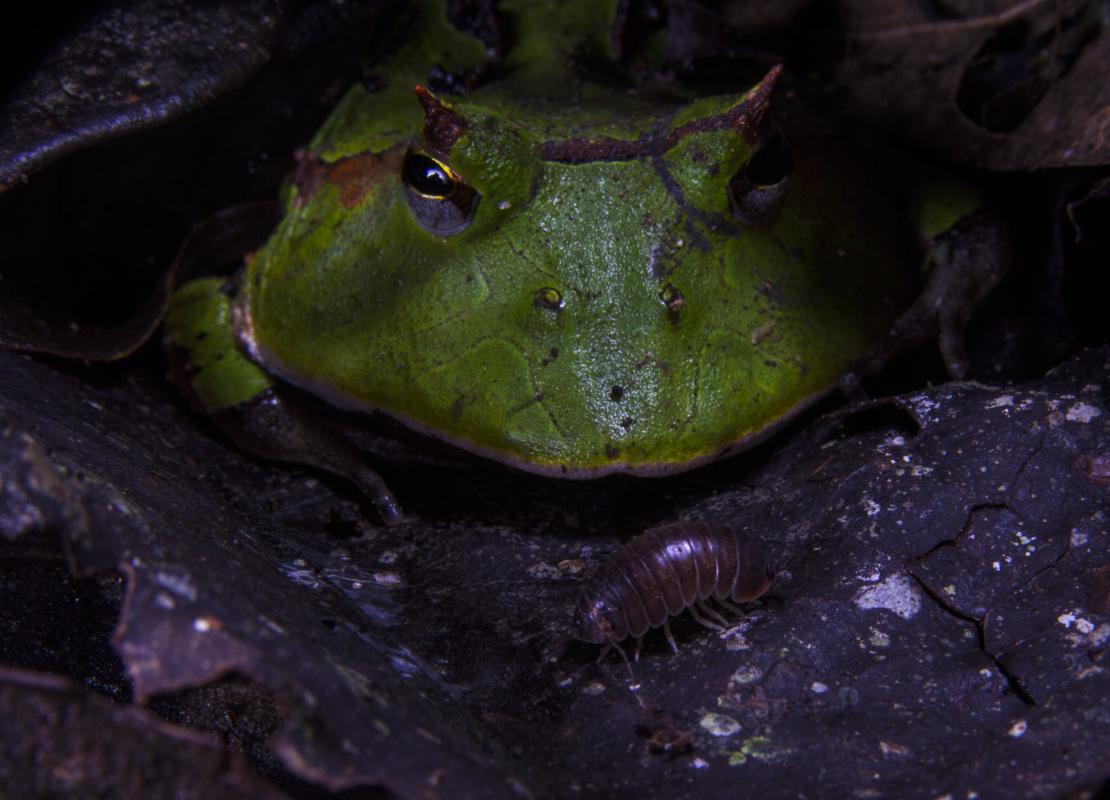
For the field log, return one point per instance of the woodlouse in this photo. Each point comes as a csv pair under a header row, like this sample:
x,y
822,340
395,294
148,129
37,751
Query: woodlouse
x,y
665,571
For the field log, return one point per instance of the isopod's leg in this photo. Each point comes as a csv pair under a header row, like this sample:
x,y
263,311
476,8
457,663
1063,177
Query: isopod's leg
x,y
670,637
631,677
712,613
636,656
730,607
703,621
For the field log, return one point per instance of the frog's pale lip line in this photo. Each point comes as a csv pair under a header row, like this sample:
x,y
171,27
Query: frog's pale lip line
x,y
318,388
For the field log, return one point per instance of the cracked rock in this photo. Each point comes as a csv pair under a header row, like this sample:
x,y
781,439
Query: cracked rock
x,y
891,654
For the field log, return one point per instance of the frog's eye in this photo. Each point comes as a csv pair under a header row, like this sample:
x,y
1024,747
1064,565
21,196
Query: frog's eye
x,y
440,200
758,188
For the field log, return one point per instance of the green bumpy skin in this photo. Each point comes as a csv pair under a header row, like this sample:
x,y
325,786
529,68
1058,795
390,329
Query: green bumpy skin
x,y
607,307
199,323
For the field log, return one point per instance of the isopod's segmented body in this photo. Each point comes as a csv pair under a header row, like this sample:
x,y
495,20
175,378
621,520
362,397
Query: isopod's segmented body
x,y
665,571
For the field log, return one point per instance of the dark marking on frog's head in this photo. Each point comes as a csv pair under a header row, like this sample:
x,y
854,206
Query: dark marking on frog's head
x,y
750,118
754,122
308,175
355,176
457,408
443,126
772,292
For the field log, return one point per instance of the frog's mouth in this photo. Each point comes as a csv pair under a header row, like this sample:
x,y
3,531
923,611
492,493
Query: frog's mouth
x,y
611,462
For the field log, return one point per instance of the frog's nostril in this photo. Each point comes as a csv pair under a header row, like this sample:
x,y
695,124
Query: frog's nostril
x,y
551,299
672,298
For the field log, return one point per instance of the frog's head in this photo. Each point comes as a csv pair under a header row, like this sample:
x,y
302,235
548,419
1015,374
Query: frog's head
x,y
720,155
573,285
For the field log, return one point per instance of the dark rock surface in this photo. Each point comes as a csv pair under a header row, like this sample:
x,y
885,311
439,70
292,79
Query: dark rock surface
x,y
940,620
61,741
938,623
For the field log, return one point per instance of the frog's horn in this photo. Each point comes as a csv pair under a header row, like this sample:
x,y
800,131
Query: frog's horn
x,y
747,115
750,117
442,124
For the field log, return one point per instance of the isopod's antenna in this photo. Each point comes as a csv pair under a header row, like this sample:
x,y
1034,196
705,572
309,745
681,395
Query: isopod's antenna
x,y
555,649
632,685
614,646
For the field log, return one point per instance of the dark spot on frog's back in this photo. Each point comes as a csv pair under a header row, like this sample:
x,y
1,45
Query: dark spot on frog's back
x,y
457,408
772,292
612,452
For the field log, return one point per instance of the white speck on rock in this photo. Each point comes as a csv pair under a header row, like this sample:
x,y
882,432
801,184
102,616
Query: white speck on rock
x,y
543,571
746,675
923,406
896,593
879,638
1004,401
818,688
1082,412
734,637
719,724
893,749
180,584
1018,729
870,507
389,579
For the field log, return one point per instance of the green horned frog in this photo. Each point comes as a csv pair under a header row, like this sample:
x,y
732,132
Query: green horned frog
x,y
573,275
